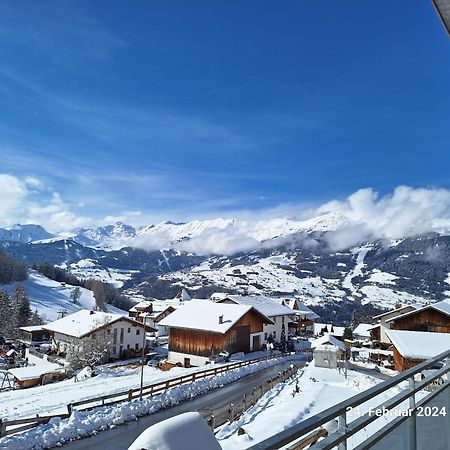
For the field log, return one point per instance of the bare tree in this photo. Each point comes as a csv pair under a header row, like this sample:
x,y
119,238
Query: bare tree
x,y
91,350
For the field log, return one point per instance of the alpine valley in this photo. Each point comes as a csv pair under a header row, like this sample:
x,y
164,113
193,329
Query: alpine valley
x,y
320,260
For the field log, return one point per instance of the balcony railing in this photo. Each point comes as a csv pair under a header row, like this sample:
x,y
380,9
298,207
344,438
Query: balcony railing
x,y
405,426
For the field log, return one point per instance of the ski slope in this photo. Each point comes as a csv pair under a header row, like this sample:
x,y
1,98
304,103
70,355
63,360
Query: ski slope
x,y
48,296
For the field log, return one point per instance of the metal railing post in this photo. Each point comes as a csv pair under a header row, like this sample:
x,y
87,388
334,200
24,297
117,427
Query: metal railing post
x,y
447,364
342,428
412,418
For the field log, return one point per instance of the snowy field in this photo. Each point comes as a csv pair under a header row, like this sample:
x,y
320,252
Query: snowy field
x,y
49,297
279,409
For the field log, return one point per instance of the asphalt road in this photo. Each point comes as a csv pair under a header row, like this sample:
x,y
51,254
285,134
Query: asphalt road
x,y
121,437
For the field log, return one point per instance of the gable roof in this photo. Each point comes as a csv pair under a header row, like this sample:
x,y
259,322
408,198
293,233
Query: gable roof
x,y
419,344
84,322
401,310
204,315
328,339
363,329
265,305
302,310
442,307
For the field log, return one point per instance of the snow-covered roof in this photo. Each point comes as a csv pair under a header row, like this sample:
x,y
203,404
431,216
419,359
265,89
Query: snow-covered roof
x,y
337,331
363,329
187,431
33,372
265,305
85,321
419,344
183,296
442,307
204,315
396,312
33,328
303,310
328,339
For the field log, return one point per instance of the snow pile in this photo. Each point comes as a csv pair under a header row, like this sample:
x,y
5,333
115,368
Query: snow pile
x,y
171,434
81,424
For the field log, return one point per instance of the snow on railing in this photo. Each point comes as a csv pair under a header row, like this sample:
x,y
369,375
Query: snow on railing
x,y
295,435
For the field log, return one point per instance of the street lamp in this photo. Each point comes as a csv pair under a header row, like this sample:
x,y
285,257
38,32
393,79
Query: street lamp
x,y
144,345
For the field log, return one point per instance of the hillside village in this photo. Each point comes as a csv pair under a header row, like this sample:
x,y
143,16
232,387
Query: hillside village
x,y
156,338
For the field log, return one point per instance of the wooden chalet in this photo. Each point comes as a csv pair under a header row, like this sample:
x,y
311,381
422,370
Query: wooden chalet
x,y
202,329
434,318
413,347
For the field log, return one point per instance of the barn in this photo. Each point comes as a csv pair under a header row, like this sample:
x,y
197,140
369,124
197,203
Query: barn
x,y
202,329
434,318
413,347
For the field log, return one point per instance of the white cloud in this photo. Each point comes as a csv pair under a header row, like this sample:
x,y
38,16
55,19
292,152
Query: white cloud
x,y
405,213
29,201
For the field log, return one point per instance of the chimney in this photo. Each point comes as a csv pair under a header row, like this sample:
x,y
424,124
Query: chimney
x,y
221,319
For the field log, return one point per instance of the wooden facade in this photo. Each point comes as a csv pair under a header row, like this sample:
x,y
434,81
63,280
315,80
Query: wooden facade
x,y
401,363
430,320
208,343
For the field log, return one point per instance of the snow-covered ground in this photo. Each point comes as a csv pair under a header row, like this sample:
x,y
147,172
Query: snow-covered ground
x,y
49,296
81,424
265,276
279,408
385,297
89,269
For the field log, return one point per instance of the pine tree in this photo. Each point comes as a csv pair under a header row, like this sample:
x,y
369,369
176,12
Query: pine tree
x,y
36,319
348,334
6,322
21,308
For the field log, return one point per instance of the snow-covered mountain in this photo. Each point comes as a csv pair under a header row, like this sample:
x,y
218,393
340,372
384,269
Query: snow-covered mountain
x,y
186,236
273,257
24,233
113,236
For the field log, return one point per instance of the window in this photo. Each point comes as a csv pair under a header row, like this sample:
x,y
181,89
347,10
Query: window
x,y
115,336
128,346
265,336
138,332
129,330
114,350
136,347
282,319
274,334
121,335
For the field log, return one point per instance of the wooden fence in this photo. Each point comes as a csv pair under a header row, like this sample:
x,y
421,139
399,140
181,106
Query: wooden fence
x,y
8,427
229,413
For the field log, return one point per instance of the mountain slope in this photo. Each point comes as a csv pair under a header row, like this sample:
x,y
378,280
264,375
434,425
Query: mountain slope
x,y
49,297
24,233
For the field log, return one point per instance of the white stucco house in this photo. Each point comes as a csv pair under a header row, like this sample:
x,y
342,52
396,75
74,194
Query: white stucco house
x,y
119,333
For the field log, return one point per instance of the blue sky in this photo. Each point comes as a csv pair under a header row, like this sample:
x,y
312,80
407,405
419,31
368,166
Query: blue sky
x,y
156,110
